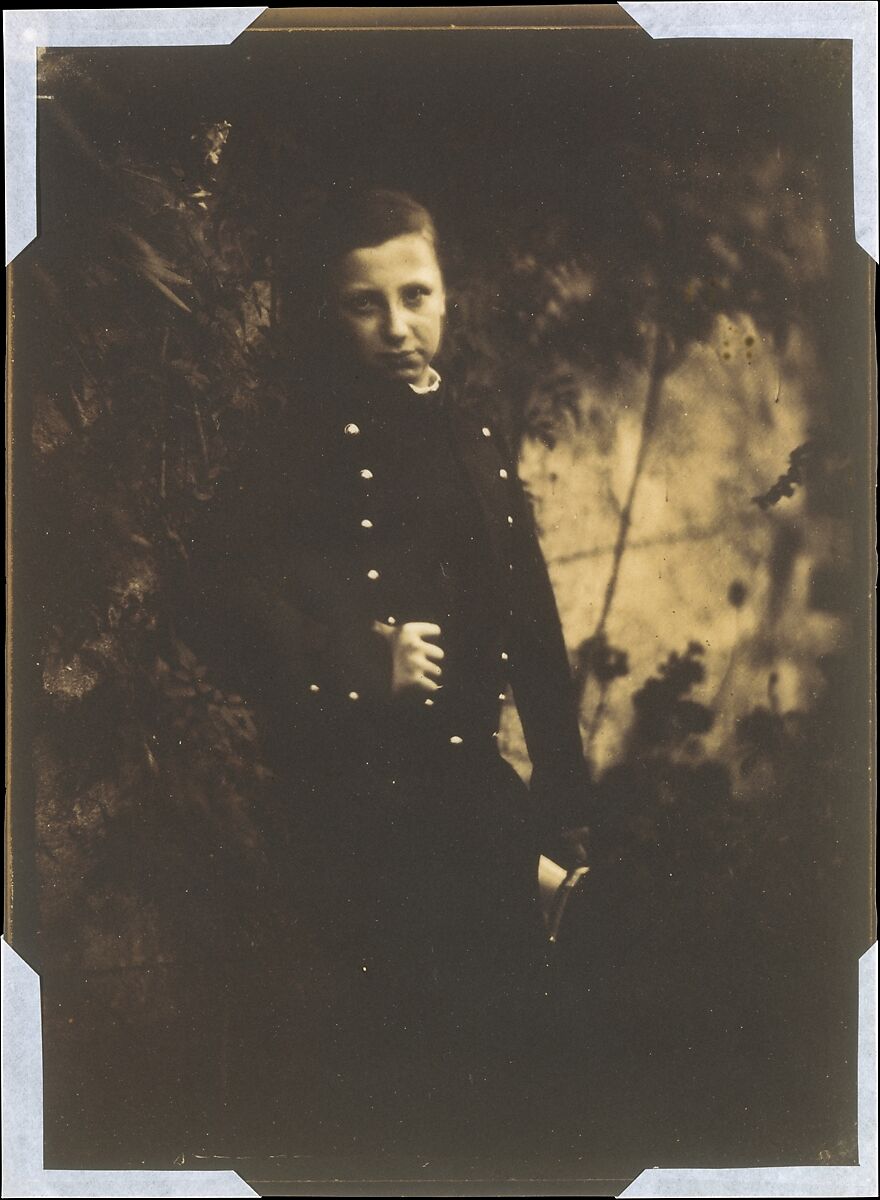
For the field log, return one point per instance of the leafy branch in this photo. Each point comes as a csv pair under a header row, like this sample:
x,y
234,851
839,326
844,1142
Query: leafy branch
x,y
798,464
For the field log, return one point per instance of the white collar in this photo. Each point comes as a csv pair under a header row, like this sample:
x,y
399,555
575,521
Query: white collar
x,y
431,386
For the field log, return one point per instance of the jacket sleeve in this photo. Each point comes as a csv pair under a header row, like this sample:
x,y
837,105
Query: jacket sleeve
x,y
542,680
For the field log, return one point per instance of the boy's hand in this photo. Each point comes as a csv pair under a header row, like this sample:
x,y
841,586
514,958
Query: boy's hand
x,y
415,660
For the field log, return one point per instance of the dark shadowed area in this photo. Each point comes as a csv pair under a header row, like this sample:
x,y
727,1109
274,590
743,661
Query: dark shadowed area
x,y
652,265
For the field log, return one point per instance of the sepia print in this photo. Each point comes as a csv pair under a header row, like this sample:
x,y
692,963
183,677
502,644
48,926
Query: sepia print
x,y
441,586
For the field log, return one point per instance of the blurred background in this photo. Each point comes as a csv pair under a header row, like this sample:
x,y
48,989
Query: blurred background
x,y
652,265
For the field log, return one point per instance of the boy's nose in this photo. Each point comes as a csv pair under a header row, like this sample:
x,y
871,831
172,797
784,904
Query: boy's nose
x,y
395,326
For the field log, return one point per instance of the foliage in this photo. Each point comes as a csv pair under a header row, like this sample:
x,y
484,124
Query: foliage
x,y
156,371
670,246
785,484
161,368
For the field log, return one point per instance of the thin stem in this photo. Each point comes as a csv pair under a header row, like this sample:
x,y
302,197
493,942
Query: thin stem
x,y
656,379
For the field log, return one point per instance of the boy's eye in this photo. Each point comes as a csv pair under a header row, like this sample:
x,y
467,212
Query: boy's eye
x,y
416,293
362,303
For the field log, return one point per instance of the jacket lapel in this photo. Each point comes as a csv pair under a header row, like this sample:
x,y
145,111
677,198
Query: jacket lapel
x,y
482,459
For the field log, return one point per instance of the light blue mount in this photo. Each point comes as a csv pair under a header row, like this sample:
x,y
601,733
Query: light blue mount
x,y
853,20
22,1114
26,30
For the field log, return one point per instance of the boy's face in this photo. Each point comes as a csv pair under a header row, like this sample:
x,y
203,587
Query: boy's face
x,y
390,303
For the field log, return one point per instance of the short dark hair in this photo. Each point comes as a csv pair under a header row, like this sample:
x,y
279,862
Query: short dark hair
x,y
326,227
351,220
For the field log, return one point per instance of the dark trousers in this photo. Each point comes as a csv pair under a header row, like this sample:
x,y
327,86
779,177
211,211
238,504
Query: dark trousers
x,y
402,1006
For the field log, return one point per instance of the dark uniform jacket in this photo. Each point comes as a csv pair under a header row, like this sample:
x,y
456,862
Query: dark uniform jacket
x,y
407,845
322,537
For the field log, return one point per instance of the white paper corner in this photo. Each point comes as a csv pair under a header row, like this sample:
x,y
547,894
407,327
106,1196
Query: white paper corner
x,y
852,20
795,1181
26,30
22,1114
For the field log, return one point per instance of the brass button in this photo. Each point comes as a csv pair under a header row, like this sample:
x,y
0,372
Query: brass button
x,y
351,429
456,740
503,473
390,620
429,701
504,656
353,696
373,574
509,519
366,473
487,432
313,687
366,523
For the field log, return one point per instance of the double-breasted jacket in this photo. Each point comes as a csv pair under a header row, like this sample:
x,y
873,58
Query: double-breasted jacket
x,y
312,547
